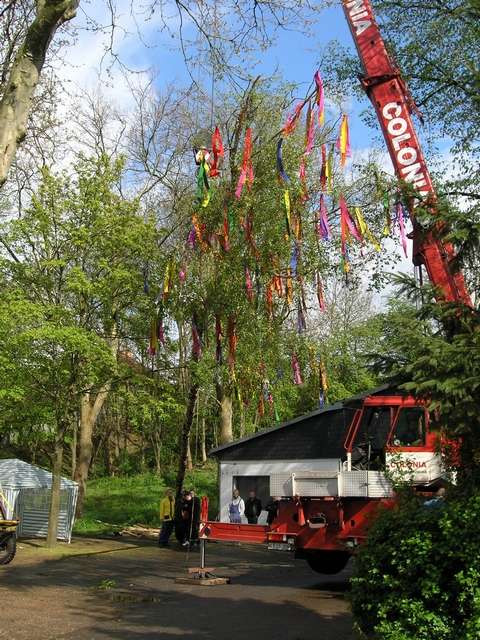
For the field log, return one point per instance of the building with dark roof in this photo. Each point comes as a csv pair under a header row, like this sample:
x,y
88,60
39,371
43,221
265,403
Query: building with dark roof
x,y
311,445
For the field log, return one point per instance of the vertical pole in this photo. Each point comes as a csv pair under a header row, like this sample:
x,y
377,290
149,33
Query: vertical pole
x,y
202,553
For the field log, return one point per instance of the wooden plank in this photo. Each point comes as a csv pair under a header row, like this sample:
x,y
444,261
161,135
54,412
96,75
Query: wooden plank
x,y
201,569
203,582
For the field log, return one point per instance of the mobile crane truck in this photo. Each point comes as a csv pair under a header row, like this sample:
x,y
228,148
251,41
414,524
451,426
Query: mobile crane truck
x,y
323,516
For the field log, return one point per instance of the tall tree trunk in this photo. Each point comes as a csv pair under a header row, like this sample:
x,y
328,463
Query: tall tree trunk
x,y
88,417
184,437
25,73
189,454
90,407
225,414
56,485
157,450
73,446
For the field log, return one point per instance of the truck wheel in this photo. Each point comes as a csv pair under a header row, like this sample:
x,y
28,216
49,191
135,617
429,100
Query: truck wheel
x,y
8,548
327,562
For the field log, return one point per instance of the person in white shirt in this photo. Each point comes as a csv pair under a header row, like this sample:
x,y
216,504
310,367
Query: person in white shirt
x,y
236,508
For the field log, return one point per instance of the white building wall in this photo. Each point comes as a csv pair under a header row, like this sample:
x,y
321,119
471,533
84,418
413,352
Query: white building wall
x,y
228,470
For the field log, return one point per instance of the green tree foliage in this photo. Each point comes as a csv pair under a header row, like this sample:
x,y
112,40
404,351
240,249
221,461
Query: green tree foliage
x,y
417,574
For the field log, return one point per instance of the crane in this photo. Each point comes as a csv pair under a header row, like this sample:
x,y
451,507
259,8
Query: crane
x,y
393,104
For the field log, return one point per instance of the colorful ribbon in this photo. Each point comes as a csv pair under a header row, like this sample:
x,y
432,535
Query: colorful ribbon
x,y
203,187
321,222
309,130
320,99
343,141
280,168
218,152
320,294
246,173
297,376
248,284
329,171
365,229
232,342
292,119
286,198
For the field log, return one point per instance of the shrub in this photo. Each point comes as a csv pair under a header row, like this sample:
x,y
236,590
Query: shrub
x,y
418,575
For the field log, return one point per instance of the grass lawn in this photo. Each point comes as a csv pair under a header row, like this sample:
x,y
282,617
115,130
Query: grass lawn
x,y
113,503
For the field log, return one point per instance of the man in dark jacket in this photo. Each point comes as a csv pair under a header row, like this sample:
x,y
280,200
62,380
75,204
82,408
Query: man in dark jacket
x,y
253,508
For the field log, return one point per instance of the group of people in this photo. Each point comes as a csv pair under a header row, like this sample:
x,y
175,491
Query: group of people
x,y
181,517
251,508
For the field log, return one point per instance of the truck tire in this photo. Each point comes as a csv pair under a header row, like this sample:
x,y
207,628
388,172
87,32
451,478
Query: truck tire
x,y
327,562
8,547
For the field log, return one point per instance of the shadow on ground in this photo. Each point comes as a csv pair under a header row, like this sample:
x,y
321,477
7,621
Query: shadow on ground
x,y
271,596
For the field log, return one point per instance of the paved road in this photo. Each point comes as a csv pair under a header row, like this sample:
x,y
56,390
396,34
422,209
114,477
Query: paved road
x,y
272,596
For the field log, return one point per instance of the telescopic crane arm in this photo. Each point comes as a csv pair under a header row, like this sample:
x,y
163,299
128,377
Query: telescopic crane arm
x,y
393,104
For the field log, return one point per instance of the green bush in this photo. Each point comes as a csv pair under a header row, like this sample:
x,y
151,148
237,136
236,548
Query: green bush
x,y
418,575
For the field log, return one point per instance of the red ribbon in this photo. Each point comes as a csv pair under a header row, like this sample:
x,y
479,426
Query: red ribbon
x,y
218,152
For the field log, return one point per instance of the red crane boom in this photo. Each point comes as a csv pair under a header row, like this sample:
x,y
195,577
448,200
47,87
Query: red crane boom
x,y
393,104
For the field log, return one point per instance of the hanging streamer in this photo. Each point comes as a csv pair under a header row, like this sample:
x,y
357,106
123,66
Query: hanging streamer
x,y
248,284
168,278
319,98
218,153
191,238
203,187
200,230
294,260
323,382
280,168
348,229
289,287
226,234
324,170
321,221
297,376
401,227
291,123
246,173
343,141
301,321
347,221
297,226
309,130
288,219
152,348
319,289
232,342
329,170
365,229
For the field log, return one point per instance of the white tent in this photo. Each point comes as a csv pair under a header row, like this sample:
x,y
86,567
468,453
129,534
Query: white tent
x,y
26,490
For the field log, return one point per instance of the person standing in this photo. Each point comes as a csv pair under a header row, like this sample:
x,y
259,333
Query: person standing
x,y
186,511
253,508
236,508
195,519
167,514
